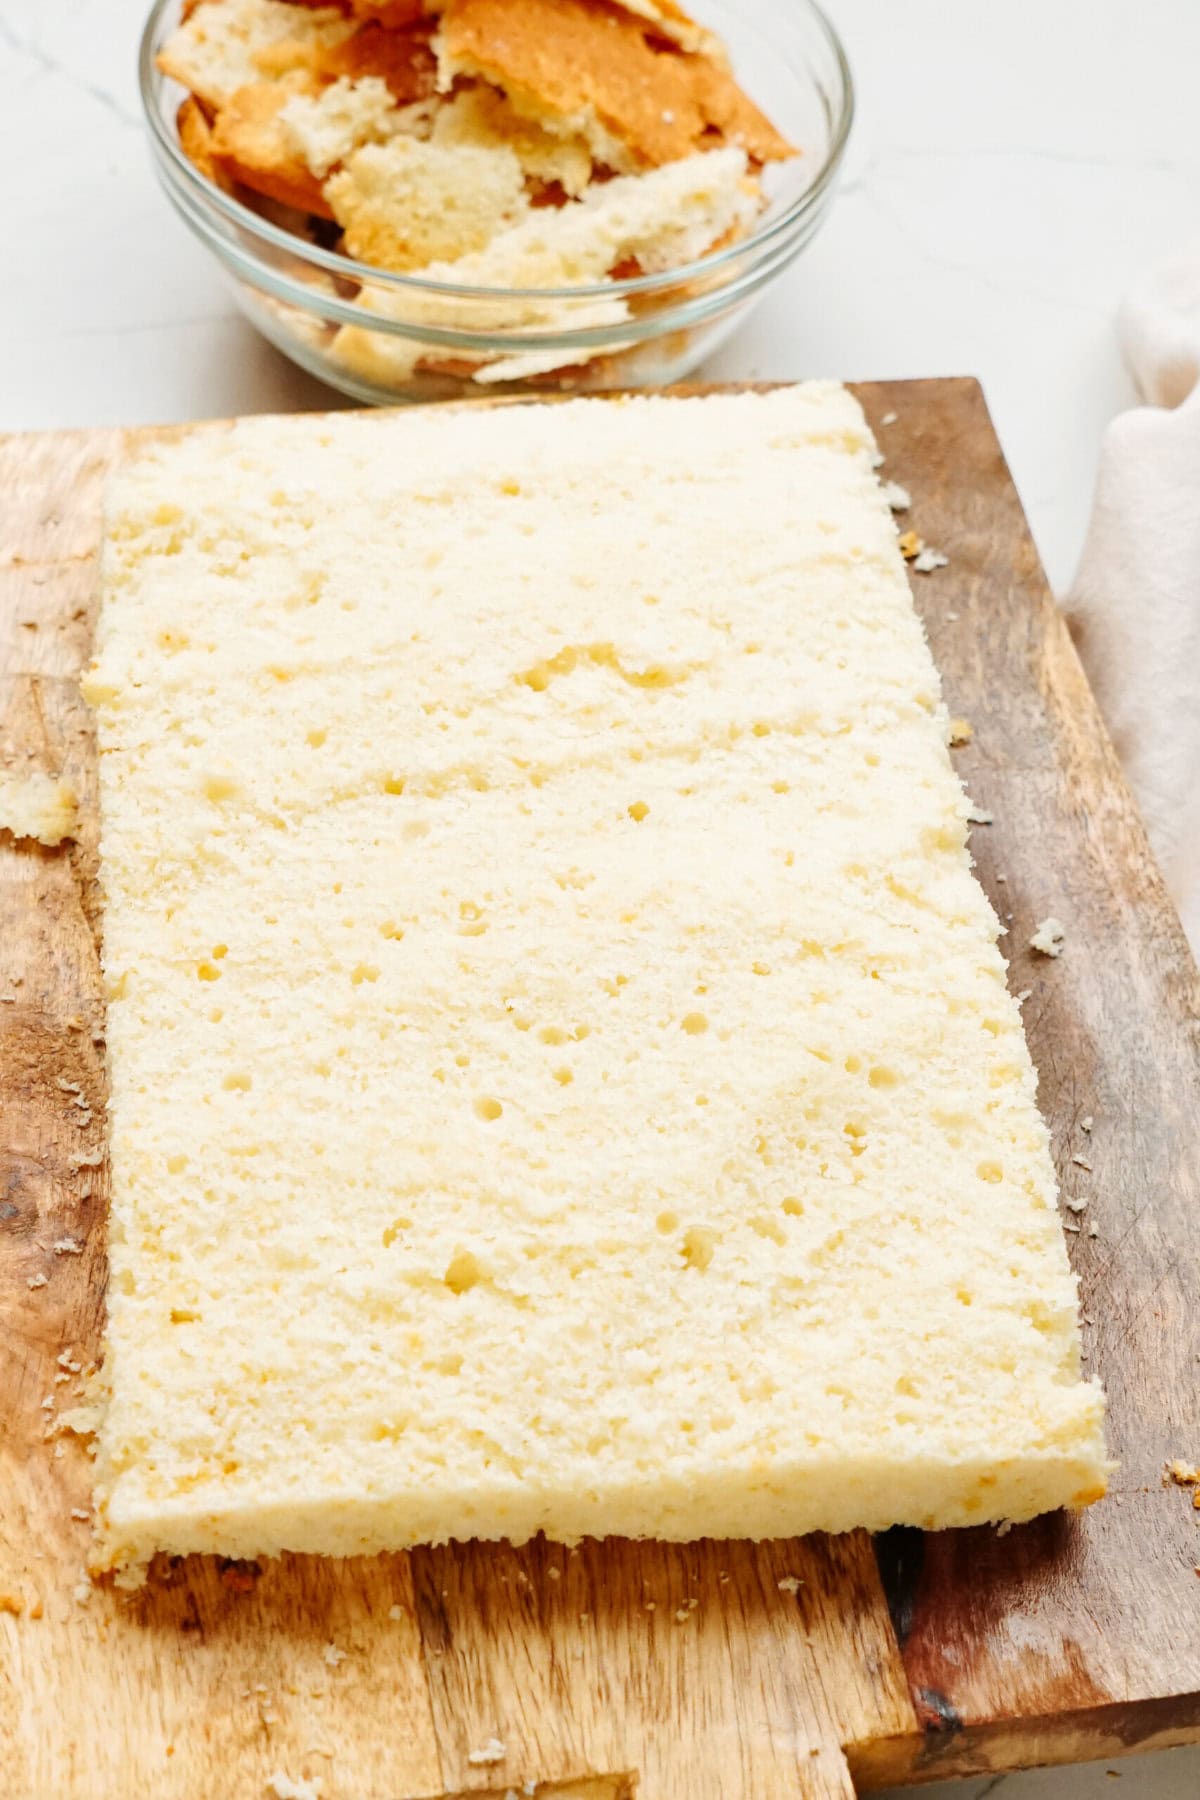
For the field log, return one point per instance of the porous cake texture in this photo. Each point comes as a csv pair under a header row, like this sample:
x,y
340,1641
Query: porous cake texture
x,y
562,1072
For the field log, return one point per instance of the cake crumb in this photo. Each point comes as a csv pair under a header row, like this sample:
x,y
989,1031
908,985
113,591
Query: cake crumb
x,y
1076,1204
1082,1163
889,418
979,815
80,1512
491,1752
1093,1231
1004,1527
910,545
961,731
789,1584
68,1246
284,1788
37,1281
1086,1124
395,1612
38,806
332,1655
929,559
1049,938
897,497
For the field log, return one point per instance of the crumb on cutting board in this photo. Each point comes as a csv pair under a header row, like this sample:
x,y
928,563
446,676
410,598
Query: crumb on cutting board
x,y
284,1788
42,807
491,1752
1049,938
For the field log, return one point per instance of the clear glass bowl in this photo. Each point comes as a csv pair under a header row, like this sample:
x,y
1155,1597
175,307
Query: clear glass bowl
x,y
411,339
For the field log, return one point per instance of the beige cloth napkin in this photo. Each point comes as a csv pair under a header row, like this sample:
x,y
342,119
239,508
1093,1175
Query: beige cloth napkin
x,y
1134,608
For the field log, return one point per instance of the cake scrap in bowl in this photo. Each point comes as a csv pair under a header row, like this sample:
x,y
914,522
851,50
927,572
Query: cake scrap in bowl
x,y
492,144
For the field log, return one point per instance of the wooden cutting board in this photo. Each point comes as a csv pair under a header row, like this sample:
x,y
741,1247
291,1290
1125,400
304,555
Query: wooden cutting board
x,y
669,1673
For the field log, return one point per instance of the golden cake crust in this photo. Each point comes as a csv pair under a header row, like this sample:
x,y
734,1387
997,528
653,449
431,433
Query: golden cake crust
x,y
566,59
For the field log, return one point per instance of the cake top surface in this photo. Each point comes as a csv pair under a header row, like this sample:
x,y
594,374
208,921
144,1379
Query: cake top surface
x,y
561,1061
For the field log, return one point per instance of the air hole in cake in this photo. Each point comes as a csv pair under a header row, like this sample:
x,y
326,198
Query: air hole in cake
x,y
697,1248
990,1171
638,811
488,1109
317,738
694,1023
881,1077
463,1274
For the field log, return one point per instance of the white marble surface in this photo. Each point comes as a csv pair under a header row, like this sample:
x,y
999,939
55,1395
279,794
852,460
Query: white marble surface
x,y
1015,163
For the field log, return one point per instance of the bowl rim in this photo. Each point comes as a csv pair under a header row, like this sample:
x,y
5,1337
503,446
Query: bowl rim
x,y
840,107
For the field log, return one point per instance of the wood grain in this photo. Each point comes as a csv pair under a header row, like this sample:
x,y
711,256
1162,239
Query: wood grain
x,y
622,1670
1079,1636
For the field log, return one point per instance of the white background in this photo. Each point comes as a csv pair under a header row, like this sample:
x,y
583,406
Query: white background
x,y
1016,163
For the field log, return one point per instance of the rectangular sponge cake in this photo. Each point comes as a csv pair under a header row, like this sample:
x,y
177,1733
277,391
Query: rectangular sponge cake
x,y
562,1071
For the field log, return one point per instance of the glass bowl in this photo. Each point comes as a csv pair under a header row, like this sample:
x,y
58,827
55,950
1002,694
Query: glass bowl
x,y
383,338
